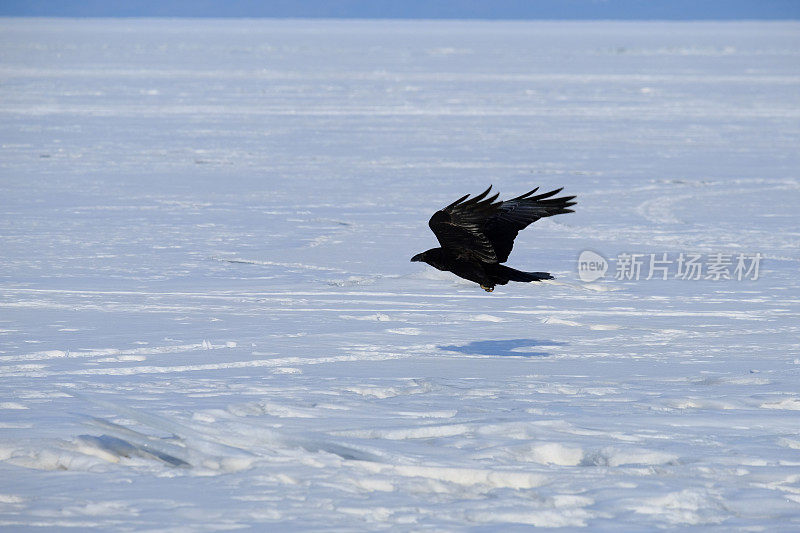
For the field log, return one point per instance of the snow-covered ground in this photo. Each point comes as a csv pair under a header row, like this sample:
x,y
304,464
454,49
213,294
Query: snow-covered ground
x,y
209,320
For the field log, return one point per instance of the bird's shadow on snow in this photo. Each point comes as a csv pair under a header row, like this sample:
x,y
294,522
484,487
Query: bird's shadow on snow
x,y
505,348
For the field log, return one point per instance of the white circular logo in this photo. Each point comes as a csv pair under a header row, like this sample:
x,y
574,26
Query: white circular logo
x,y
591,266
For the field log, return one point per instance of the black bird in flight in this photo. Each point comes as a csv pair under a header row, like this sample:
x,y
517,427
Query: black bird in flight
x,y
476,235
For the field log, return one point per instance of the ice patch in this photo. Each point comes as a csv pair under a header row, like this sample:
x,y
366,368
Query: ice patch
x,y
559,511
416,387
113,508
686,507
12,405
789,443
486,318
551,453
427,414
424,432
50,458
377,317
117,352
792,404
121,359
287,370
491,479
284,411
353,281
699,403
565,322
619,457
560,321
405,331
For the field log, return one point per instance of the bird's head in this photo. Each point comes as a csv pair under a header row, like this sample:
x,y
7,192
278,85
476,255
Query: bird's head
x,y
432,257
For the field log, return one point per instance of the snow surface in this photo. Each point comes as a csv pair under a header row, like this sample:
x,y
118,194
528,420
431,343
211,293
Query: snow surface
x,y
209,320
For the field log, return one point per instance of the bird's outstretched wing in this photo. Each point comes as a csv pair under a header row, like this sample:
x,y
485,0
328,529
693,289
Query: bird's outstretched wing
x,y
483,229
516,214
459,227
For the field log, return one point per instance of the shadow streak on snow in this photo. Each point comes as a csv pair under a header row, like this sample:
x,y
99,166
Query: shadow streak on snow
x,y
190,445
505,348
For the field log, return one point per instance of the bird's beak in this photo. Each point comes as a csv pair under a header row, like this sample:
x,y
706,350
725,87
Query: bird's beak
x,y
416,258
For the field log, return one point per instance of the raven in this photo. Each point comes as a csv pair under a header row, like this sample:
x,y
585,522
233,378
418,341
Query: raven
x,y
476,235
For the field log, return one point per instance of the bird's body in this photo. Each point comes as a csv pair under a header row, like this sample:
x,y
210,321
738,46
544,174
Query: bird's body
x,y
477,235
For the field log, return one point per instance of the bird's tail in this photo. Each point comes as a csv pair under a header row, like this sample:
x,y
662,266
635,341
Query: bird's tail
x,y
507,274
